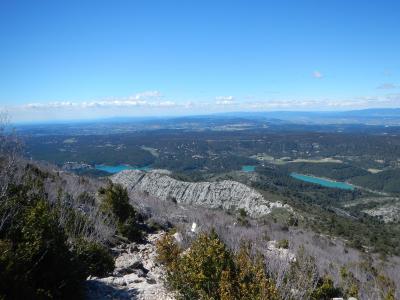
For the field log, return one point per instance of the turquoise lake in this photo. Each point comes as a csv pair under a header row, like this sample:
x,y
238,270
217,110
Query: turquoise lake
x,y
119,168
323,182
248,168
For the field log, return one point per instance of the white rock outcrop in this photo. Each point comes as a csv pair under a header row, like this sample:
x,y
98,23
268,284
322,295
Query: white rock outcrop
x,y
227,194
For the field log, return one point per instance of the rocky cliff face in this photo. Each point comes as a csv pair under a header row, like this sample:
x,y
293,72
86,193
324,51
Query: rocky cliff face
x,y
227,194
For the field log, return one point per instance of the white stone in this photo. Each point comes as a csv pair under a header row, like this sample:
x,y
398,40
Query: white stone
x,y
194,227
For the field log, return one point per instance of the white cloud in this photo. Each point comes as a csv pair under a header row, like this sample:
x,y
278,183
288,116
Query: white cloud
x,y
147,94
224,100
393,97
388,86
153,103
280,104
61,104
163,104
221,103
362,102
147,98
317,74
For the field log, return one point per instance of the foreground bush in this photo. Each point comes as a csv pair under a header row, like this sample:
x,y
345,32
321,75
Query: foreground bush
x,y
42,254
208,270
35,261
95,259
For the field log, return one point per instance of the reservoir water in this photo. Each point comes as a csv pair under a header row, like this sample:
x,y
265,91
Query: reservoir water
x,y
323,182
248,168
119,168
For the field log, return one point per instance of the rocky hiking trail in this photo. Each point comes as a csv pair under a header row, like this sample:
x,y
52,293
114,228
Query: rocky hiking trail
x,y
137,275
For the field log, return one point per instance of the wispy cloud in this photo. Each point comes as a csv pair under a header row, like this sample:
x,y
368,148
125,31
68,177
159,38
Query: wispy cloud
x,y
224,100
317,74
224,103
144,99
393,97
388,86
60,104
361,102
147,94
154,103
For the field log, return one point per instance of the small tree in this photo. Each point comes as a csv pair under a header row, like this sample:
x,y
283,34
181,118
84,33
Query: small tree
x,y
116,202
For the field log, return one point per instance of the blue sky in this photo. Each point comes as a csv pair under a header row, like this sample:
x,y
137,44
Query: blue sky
x,y
95,59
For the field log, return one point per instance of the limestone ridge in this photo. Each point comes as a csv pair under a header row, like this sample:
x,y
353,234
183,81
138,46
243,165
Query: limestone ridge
x,y
228,195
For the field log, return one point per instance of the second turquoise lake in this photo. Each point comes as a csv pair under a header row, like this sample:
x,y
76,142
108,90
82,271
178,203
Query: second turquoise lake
x,y
323,182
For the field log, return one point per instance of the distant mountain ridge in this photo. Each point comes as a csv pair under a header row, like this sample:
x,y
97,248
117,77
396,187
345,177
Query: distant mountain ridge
x,y
371,116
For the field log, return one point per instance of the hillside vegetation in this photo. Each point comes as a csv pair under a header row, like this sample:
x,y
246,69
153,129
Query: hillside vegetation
x,y
57,229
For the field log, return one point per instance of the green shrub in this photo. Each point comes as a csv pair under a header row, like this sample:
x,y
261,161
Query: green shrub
x,y
325,289
293,221
250,276
130,229
115,201
242,212
86,198
199,271
168,251
208,270
36,262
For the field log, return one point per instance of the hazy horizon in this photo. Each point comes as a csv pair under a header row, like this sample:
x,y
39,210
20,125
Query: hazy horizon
x,y
344,114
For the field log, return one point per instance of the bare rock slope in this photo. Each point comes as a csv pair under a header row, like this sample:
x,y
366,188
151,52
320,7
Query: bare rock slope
x,y
137,275
227,194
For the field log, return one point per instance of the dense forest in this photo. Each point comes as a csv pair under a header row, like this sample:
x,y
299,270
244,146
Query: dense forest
x,y
367,160
348,154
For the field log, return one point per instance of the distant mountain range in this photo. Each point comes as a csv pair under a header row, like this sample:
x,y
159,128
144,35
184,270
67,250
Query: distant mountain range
x,y
375,116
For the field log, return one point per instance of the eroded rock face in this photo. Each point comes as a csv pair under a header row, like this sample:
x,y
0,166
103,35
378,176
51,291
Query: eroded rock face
x,y
227,194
